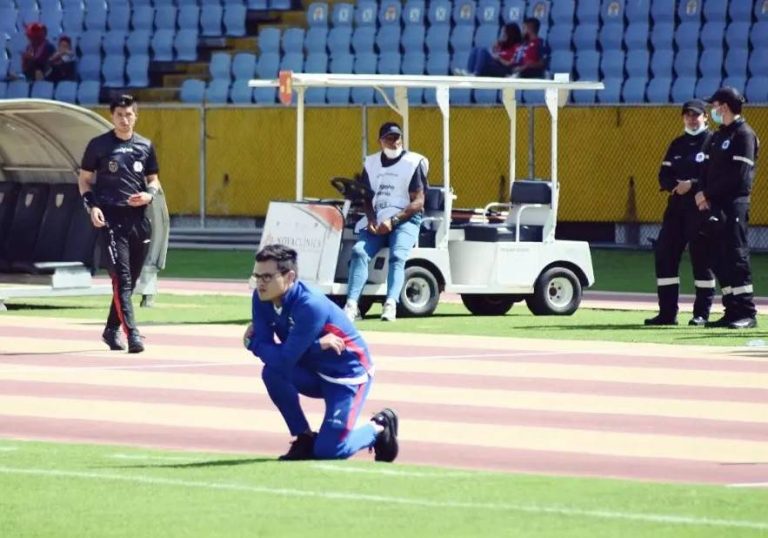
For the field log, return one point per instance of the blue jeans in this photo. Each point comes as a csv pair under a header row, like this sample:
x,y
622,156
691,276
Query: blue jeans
x,y
482,64
400,242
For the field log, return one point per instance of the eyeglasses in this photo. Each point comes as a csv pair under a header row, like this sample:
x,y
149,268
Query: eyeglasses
x,y
266,278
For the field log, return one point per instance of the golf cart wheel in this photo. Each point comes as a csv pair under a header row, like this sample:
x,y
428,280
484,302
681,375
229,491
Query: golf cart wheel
x,y
488,305
557,293
363,304
420,293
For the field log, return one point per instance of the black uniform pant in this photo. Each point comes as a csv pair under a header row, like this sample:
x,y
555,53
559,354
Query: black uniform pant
x,y
731,258
126,238
682,225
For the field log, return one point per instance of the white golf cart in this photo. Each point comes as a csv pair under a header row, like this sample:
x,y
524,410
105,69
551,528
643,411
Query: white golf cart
x,y
507,253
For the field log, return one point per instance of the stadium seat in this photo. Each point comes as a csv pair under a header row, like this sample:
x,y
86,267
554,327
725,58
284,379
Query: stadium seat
x,y
636,37
486,35
757,90
588,66
119,17
66,91
363,39
583,97
292,61
610,37
758,63
188,17
162,45
736,62
340,40
390,13
716,11
89,67
689,11
561,61
366,12
316,39
389,63
317,62
711,63
661,63
185,45
662,11
317,15
706,86
761,11
737,35
612,64
612,91
588,12
137,71
240,93
437,38
488,12
438,63
560,38
388,38
138,42
637,63
95,19
662,35
89,43
165,17
758,37
460,96
258,5
192,91
414,63
42,89
685,64
464,12
52,19
532,97
633,90
113,71
412,39
211,16
561,13
712,35
282,5
740,11
364,64
687,37
244,66
740,83
293,40
269,40
513,11
71,21
114,42
658,90
585,37
220,66
217,91
143,18
459,60
413,13
462,37
342,63
343,14
683,89
268,66
439,13
8,16
88,92
612,12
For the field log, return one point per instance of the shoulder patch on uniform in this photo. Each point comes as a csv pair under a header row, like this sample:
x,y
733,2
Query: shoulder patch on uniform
x,y
137,166
700,157
725,144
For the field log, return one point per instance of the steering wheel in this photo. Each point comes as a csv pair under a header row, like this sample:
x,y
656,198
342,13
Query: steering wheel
x,y
351,189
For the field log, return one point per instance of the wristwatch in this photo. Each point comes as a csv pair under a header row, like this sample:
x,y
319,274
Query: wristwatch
x,y
395,221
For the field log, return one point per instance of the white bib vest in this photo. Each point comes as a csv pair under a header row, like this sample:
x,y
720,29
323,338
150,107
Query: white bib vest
x,y
390,184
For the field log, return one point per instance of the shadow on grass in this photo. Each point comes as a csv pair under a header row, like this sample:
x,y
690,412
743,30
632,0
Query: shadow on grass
x,y
19,306
200,464
47,353
242,321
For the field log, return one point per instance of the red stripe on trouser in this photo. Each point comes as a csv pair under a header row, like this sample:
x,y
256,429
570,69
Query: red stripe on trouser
x,y
354,411
118,304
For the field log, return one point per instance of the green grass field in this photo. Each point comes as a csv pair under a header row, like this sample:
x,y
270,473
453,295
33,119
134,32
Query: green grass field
x,y
62,491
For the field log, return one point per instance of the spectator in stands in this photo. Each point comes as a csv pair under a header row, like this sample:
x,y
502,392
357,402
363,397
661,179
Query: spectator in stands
x,y
530,61
61,66
499,60
34,61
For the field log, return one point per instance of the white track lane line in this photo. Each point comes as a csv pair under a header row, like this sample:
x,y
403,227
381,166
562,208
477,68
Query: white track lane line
x,y
749,485
16,369
385,472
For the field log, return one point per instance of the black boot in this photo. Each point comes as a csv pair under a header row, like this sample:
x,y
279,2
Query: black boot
x,y
135,345
661,320
302,448
111,337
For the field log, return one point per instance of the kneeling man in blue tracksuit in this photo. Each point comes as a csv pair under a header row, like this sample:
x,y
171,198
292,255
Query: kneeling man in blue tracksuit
x,y
317,353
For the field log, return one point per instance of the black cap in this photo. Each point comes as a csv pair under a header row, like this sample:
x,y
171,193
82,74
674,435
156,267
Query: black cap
x,y
389,128
121,101
728,95
695,105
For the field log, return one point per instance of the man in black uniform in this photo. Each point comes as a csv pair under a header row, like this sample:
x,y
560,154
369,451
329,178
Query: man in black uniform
x,y
724,192
681,168
118,178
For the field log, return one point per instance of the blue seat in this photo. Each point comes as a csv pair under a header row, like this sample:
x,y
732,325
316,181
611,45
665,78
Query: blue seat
x,y
95,19
389,63
268,65
265,96
364,64
460,96
612,64
588,65
462,37
513,11
89,67
390,13
560,39
388,38
661,63
4,65
244,66
220,65
412,39
185,45
316,38
165,17
485,97
687,37
414,63
437,38
683,89
757,89
217,92
736,82
633,90
685,64
712,35
343,14
293,40
143,18
114,42
611,36
211,17
138,42
541,9
439,13
583,97
532,97
737,35
317,62
438,63
42,89
740,11
488,12
658,90
242,94
137,71
317,15
17,44
464,12
716,10
662,11
366,12
706,86
192,91
612,91
689,11
341,63
662,35
486,35
758,37
8,17
588,12
363,39
66,91
736,62
636,36
52,20
119,17
90,42
258,5
340,39
292,61
761,11
113,71
711,63
413,13
612,11
234,20
585,36
269,40
188,17
88,92
561,61
637,63
459,60
758,63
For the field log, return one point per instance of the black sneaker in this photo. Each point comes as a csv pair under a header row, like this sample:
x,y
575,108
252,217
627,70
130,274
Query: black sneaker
x,y
697,321
744,323
661,320
135,345
718,323
111,337
302,448
386,446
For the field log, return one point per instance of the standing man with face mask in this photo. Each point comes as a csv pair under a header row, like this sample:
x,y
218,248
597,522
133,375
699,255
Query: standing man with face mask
x,y
398,180
681,169
725,191
118,179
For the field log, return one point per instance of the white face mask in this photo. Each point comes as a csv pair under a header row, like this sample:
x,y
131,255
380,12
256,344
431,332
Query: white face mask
x,y
694,132
393,153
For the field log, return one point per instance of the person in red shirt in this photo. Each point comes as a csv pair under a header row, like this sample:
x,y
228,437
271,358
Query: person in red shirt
x,y
499,60
531,56
34,61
